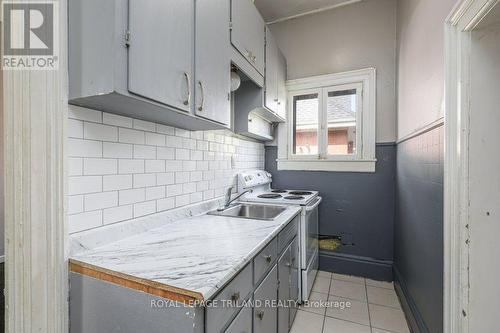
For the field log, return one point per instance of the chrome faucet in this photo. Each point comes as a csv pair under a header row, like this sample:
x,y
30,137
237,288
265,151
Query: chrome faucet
x,y
228,200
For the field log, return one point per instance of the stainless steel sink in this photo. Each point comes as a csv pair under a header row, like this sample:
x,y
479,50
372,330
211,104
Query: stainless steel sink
x,y
250,211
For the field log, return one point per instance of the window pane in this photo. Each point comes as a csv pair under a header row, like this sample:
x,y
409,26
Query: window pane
x,y
341,115
305,126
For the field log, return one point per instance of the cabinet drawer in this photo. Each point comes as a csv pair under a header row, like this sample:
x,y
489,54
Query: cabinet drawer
x,y
242,323
266,317
264,260
288,233
218,316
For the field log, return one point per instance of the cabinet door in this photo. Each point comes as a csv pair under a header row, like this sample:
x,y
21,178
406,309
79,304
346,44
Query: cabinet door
x,y
242,323
265,317
248,32
294,277
271,74
212,62
280,83
161,51
284,268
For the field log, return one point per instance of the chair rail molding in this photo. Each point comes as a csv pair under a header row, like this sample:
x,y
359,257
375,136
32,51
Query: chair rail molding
x,y
466,15
35,116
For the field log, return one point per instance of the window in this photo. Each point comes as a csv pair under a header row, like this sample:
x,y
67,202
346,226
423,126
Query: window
x,y
331,123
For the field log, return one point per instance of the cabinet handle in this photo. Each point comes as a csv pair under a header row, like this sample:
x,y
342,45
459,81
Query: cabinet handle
x,y
202,91
235,296
288,264
188,82
260,314
276,100
268,258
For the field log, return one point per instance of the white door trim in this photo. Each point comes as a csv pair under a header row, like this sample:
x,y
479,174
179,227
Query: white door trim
x,y
459,24
35,116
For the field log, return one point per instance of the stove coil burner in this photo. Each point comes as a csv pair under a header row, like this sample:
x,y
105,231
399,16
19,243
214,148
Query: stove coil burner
x,y
294,197
279,191
269,196
300,193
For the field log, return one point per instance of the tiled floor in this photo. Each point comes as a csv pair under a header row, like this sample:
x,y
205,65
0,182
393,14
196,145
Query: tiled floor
x,y
355,305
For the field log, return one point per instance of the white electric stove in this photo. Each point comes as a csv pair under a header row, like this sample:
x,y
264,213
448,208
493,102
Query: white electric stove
x,y
259,181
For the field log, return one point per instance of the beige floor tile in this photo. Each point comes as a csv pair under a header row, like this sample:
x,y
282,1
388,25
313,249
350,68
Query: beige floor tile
x,y
321,285
315,303
378,330
325,274
333,325
387,318
348,309
307,322
349,278
379,284
350,290
382,296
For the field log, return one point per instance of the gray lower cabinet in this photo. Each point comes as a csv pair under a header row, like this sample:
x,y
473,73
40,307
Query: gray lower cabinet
x,y
242,323
294,278
284,272
265,315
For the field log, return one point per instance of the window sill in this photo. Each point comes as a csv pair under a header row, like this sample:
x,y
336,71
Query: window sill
x,y
327,165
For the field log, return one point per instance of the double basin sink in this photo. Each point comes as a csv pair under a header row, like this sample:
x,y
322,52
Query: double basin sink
x,y
251,211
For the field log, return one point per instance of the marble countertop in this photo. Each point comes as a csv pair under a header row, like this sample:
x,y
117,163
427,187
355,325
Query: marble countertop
x,y
198,254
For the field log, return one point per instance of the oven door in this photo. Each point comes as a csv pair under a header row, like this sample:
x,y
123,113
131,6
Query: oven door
x,y
309,232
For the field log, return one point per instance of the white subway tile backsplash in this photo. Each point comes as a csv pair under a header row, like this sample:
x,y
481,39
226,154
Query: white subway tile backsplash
x,y
116,120
144,180
126,135
117,150
116,182
75,166
165,204
165,153
154,166
126,197
84,148
117,214
146,152
93,131
130,166
75,128
156,192
155,139
182,200
84,184
75,204
121,168
99,166
84,221
165,178
101,200
144,208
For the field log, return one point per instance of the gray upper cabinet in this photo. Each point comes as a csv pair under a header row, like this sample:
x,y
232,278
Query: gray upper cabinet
x,y
161,51
136,58
275,77
248,32
212,62
271,74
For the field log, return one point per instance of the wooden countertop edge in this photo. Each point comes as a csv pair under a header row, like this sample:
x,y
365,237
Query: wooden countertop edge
x,y
127,281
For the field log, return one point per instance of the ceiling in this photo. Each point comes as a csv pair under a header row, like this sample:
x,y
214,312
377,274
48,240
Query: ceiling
x,y
278,10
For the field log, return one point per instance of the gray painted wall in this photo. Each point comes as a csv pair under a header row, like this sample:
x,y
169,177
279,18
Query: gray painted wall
x,y
347,38
357,204
418,230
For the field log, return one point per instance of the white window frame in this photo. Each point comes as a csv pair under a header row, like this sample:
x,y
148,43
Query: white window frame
x,y
364,160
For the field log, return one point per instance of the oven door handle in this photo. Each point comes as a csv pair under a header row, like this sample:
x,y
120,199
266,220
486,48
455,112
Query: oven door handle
x,y
318,201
